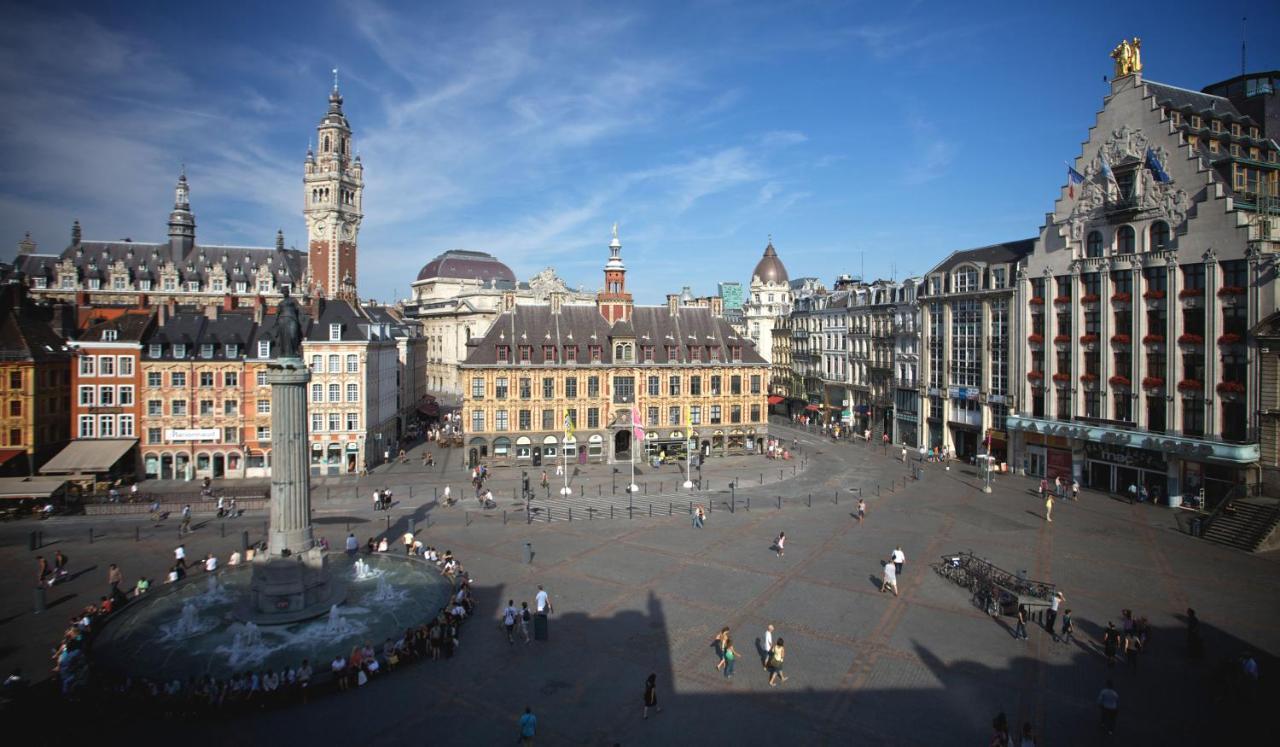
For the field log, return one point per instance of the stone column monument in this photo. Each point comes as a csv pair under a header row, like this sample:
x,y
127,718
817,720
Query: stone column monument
x,y
291,581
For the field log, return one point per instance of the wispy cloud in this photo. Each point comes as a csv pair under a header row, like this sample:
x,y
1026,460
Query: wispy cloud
x,y
931,153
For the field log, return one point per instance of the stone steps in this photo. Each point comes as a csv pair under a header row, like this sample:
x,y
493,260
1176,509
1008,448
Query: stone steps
x,y
1248,526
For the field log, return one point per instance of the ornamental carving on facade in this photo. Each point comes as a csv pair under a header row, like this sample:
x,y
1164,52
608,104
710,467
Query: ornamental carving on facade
x,y
547,282
1154,199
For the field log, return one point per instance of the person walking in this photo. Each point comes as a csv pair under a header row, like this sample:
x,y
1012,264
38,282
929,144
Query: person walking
x,y
766,646
862,510
542,602
528,554
1020,631
1132,647
776,659
1110,642
720,641
185,528
1068,629
509,621
1051,615
44,571
730,657
1048,509
353,544
1195,644
651,695
114,578
377,499
699,517
1108,707
1000,731
408,543
779,543
1044,487
528,726
890,578
1075,490
899,559
1028,735
525,617
180,555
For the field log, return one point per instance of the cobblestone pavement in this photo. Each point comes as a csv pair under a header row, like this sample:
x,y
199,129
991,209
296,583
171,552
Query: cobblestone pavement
x,y
640,595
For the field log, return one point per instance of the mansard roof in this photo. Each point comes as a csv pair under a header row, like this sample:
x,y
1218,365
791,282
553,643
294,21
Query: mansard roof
x,y
995,254
144,261
582,325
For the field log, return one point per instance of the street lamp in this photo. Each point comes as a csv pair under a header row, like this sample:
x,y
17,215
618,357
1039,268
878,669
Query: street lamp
x,y
688,460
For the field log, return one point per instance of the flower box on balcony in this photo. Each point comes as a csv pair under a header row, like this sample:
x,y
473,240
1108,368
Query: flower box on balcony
x,y
1035,339
1035,377
1064,300
1118,298
1062,339
1190,386
1227,291
1088,339
1089,378
1191,293
1121,339
1062,378
1154,295
1153,340
1090,298
1190,339
1036,301
1120,381
1153,382
1230,387
1229,338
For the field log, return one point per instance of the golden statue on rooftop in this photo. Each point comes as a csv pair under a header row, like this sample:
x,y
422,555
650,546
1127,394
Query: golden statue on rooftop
x,y
1128,57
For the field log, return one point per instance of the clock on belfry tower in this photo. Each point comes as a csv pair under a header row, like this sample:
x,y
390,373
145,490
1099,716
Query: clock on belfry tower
x,y
333,187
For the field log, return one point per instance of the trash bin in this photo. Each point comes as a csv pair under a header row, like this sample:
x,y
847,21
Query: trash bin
x,y
540,627
1197,527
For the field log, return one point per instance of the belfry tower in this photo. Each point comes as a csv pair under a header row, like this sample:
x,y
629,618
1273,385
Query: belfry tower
x,y
614,301
333,190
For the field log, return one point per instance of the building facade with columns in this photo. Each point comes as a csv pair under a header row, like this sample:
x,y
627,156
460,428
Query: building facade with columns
x,y
966,348
1139,302
768,297
666,375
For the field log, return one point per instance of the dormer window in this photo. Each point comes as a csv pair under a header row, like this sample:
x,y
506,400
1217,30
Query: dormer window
x,y
242,287
673,354
715,353
94,284
179,350
264,348
526,353
335,332
109,335
595,351
965,279
218,285
647,352
232,350
622,351
170,284
153,351
40,283
117,283
264,286
571,353
548,353
206,351
735,352
504,353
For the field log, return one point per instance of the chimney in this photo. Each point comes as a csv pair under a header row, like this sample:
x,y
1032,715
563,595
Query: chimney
x,y
75,232
64,320
142,300
673,303
82,298
162,314
228,302
258,310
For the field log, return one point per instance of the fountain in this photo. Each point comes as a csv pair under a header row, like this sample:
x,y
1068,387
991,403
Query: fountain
x,y
272,613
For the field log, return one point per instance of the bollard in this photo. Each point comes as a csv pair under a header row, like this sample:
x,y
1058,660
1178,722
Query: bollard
x,y
570,513
549,519
467,517
650,510
33,542
779,474
762,478
411,523
793,470
244,543
435,493
39,599
748,503
779,503
670,508
659,487
810,505
837,492
631,513
598,489
388,517
137,534
691,508
91,535
528,516
610,510
224,530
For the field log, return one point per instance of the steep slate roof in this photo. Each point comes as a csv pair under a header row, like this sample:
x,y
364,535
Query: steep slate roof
x,y
129,326
26,334
1205,103
995,254
582,325
145,260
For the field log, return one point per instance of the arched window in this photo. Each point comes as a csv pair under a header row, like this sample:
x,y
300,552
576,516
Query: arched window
x,y
965,279
326,144
1125,240
1093,245
1159,236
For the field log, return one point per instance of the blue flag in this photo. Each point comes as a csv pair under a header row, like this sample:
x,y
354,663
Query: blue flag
x,y
1157,170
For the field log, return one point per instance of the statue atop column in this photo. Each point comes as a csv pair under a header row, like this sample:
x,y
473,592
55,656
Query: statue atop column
x,y
1128,57
288,333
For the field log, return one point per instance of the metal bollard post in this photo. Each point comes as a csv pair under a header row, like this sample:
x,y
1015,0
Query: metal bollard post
x,y
467,517
571,513
549,519
91,535
650,510
779,474
793,470
877,489
39,599
388,517
779,503
137,534
244,543
435,493
762,478
748,503
223,531
810,500
670,508
599,488
411,523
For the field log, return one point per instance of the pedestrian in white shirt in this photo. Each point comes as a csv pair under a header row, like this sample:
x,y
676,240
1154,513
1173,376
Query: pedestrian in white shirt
x,y
890,578
768,647
210,563
542,602
899,558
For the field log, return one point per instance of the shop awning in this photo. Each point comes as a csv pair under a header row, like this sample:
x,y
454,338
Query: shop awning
x,y
88,457
775,398
22,488
7,454
812,408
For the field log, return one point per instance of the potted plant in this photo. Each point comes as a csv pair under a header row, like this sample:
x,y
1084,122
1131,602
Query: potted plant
x,y
1153,382
1089,378
1230,290
1154,298
1119,298
1121,339
1190,339
1035,339
1230,338
1119,381
1153,340
1062,378
1036,301
1063,300
1089,298
1035,377
1191,297
1190,386
1231,389
1062,339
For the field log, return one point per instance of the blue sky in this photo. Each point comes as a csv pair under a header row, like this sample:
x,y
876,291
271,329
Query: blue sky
x,y
863,136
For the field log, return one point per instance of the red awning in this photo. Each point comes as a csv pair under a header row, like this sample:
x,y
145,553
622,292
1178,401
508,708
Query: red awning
x,y
775,398
7,454
812,408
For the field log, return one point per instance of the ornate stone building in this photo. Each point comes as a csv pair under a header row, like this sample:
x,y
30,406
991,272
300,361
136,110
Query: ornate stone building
x,y
333,187
678,372
35,403
1147,280
768,298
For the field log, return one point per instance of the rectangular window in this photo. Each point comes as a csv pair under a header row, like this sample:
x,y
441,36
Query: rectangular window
x,y
126,395
673,386
231,350
525,420
695,386
86,395
652,417
230,435
500,387
206,379
230,406
715,385
654,386
178,378
593,386
86,426
106,395
673,415
571,387
477,421
595,353
106,365
695,415
335,421
353,392
335,393
735,414
755,413
317,392
504,353
264,348
262,378
126,426
264,407
206,407
548,387
206,351
735,384
715,414
335,332
526,353
335,363
548,419
500,420
155,407
353,363
477,388
593,417
755,383
353,421
88,366
154,436
317,422
178,407
264,433
548,353
624,389
179,350
571,354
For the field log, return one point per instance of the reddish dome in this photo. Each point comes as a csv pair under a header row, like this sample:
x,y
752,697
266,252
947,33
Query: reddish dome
x,y
458,264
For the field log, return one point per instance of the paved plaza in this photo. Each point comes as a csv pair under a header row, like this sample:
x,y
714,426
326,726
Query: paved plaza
x,y
642,595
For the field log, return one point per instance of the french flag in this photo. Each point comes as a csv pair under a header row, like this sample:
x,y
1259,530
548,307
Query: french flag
x,y
1073,178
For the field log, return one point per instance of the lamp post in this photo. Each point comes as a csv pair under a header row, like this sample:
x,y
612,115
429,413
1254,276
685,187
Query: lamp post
x,y
688,461
986,488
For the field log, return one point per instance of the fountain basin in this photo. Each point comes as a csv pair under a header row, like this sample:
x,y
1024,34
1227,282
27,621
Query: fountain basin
x,y
202,626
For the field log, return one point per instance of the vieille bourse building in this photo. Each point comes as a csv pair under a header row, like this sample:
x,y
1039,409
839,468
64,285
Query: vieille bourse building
x,y
687,373
1137,304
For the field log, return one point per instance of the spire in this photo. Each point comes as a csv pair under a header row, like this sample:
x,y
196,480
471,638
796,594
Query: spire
x,y
335,98
182,224
181,194
615,252
280,240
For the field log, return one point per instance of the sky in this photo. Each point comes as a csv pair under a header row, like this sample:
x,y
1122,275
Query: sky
x,y
864,138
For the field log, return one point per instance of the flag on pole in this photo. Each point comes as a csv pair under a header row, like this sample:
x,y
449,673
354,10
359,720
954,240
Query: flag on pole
x,y
1157,170
1073,178
637,426
1108,173
568,425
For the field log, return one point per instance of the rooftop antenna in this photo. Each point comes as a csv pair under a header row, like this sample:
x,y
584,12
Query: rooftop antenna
x,y
1244,27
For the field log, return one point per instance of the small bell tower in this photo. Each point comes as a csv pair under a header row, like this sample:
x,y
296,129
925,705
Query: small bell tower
x,y
333,193
614,301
